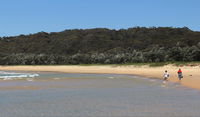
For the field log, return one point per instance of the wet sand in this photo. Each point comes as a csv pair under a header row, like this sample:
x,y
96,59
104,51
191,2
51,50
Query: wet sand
x,y
191,74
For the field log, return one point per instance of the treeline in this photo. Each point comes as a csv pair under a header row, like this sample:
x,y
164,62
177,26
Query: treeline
x,y
92,46
154,55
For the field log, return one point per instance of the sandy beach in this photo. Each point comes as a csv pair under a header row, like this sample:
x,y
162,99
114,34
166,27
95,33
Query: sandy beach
x,y
72,90
191,74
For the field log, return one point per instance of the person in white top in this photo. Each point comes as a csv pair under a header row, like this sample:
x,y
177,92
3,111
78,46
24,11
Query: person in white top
x,y
165,76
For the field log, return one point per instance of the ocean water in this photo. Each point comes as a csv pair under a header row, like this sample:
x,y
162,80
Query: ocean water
x,y
95,95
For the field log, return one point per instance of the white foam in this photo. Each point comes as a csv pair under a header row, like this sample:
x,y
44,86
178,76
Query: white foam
x,y
29,79
111,77
12,75
56,78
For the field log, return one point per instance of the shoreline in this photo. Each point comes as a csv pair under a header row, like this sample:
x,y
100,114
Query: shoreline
x,y
191,75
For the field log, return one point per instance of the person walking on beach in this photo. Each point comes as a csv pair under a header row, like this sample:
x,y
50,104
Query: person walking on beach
x,y
180,75
165,76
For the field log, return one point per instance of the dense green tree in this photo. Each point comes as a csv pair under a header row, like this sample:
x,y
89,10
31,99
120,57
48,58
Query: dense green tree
x,y
101,45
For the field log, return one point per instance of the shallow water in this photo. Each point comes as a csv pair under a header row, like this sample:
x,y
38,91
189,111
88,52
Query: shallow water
x,y
107,95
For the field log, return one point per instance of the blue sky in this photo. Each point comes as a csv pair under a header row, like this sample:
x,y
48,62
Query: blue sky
x,y
31,16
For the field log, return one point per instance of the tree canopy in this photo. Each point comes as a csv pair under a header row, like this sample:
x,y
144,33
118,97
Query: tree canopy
x,y
101,45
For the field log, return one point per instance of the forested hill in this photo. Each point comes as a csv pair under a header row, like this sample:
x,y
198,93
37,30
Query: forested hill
x,y
102,45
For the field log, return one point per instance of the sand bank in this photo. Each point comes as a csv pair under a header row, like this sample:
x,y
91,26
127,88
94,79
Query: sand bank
x,y
191,74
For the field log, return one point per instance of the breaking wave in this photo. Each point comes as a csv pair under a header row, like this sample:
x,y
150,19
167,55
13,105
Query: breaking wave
x,y
12,75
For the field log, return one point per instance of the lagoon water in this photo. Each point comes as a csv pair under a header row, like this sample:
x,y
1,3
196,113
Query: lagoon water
x,y
97,95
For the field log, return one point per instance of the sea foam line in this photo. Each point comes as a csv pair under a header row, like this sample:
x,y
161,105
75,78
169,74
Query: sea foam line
x,y
12,75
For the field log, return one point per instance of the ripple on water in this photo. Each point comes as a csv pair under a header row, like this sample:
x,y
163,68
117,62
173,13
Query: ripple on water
x,y
98,95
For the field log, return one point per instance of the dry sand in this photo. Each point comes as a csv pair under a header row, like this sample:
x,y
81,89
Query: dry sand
x,y
191,74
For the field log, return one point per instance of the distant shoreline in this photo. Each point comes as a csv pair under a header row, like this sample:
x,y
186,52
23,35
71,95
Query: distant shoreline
x,y
191,74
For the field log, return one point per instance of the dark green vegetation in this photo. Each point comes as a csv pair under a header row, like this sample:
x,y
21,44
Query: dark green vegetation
x,y
102,46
